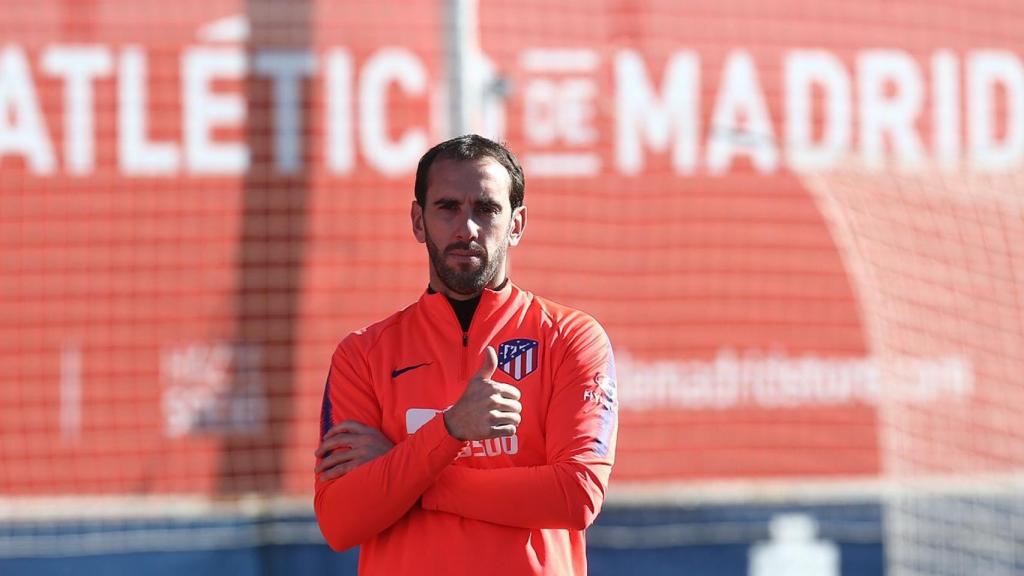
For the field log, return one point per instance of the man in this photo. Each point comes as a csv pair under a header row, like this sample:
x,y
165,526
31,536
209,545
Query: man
x,y
472,432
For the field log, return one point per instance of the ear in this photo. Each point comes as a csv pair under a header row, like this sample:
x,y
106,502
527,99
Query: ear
x,y
518,226
418,230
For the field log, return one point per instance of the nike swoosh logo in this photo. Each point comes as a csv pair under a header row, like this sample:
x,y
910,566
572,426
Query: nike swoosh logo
x,y
400,371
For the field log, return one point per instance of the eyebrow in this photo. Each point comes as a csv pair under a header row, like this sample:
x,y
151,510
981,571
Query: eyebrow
x,y
484,202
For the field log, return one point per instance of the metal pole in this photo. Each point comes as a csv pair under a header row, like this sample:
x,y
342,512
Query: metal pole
x,y
461,52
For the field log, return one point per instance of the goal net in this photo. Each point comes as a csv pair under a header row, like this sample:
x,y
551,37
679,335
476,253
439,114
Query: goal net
x,y
937,260
197,203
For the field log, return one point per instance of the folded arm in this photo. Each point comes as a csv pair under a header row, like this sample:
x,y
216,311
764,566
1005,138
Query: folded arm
x,y
568,491
563,495
373,496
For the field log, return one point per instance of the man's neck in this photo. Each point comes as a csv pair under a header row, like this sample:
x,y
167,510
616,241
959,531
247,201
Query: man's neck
x,y
464,310
465,307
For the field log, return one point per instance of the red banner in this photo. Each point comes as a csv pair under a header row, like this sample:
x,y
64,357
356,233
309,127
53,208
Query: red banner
x,y
198,203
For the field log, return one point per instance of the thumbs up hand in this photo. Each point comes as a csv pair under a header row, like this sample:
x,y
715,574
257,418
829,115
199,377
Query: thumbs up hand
x,y
486,409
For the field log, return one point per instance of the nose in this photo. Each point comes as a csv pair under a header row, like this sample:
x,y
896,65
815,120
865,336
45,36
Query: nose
x,y
467,228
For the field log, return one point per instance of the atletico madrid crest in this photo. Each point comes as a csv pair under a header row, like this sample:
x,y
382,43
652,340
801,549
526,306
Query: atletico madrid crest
x,y
518,358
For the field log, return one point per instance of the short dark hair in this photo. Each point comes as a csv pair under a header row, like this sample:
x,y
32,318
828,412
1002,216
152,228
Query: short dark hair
x,y
471,147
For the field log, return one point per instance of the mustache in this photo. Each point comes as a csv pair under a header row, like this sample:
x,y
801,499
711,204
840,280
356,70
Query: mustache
x,y
466,247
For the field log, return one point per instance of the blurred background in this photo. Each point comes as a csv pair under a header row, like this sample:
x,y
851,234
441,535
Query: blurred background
x,y
801,223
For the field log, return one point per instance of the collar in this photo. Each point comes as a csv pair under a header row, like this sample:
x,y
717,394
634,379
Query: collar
x,y
491,302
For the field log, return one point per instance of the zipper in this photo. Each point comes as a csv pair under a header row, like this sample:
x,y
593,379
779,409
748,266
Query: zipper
x,y
463,374
465,337
462,356
465,341
465,334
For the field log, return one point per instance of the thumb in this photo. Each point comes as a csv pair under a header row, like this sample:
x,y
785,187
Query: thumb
x,y
489,364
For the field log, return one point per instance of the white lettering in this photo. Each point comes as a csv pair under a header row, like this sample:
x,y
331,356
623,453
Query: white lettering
x,y
478,448
986,70
136,153
212,387
206,110
389,65
946,108
774,380
340,148
740,123
286,69
641,117
25,135
79,66
540,115
576,114
972,108
559,110
492,446
883,114
803,70
510,444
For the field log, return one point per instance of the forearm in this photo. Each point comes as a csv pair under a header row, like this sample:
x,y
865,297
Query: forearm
x,y
562,495
368,500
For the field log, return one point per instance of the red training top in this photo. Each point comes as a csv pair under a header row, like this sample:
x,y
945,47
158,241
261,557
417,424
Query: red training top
x,y
437,505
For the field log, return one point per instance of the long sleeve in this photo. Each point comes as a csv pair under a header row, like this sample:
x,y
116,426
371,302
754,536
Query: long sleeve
x,y
567,491
368,500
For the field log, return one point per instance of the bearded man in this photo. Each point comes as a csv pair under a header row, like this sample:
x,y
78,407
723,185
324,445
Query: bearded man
x,y
472,432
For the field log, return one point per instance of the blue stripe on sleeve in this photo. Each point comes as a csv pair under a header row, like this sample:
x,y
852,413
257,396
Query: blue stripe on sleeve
x,y
326,418
609,407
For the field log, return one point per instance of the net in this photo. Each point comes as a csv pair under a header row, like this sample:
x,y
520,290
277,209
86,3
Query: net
x,y
815,304
937,262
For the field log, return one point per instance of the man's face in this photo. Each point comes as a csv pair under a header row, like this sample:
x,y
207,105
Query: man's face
x,y
467,224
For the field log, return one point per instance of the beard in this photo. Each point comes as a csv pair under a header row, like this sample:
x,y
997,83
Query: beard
x,y
465,278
